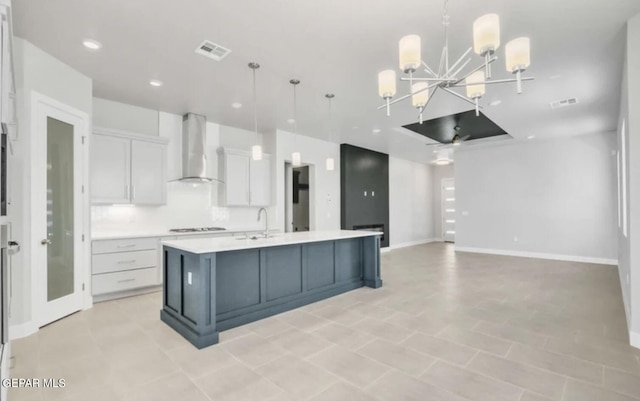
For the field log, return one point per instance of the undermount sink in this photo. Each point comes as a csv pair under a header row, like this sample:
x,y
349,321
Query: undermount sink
x,y
256,237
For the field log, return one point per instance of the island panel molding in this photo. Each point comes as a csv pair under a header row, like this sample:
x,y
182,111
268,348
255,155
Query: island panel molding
x,y
210,291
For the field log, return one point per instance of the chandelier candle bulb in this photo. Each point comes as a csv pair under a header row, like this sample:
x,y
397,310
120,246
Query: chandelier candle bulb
x,y
518,58
486,34
420,95
409,53
517,55
476,88
387,86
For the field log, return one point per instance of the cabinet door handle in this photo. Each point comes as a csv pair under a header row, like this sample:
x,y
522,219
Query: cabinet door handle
x,y
126,191
126,262
365,193
126,280
133,192
126,246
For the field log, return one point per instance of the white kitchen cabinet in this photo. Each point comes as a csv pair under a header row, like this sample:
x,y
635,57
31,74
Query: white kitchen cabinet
x,y
110,169
236,179
247,181
128,169
148,173
120,265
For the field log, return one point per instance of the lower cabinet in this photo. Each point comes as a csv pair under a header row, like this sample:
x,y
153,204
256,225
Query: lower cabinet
x,y
124,265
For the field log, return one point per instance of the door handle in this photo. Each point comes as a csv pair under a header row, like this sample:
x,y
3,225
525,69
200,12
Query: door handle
x,y
46,242
13,247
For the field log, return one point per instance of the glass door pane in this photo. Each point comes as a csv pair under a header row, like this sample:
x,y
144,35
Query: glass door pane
x,y
60,235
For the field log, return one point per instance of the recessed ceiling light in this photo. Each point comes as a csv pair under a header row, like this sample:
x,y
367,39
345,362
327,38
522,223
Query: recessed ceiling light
x,y
531,136
355,127
376,130
155,82
291,121
92,44
236,105
495,103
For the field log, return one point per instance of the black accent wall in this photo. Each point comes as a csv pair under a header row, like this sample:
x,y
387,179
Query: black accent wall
x,y
364,190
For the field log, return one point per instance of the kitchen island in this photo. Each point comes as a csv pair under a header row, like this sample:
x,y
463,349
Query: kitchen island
x,y
214,284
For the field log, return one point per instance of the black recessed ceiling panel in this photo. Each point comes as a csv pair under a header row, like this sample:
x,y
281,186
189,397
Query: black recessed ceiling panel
x,y
465,124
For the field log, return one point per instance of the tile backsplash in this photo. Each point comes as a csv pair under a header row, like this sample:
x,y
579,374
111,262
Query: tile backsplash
x,y
188,205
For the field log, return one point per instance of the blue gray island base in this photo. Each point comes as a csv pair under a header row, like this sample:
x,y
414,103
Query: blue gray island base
x,y
206,293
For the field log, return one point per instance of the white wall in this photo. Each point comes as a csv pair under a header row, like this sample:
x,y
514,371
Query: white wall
x,y
124,117
629,250
324,191
439,172
187,205
551,198
35,71
410,202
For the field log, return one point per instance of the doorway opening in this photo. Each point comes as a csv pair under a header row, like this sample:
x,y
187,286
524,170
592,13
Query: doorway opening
x,y
298,198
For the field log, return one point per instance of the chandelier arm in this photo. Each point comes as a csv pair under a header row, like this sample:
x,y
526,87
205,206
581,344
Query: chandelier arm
x,y
423,79
401,98
458,62
462,67
496,81
429,70
478,68
460,96
429,99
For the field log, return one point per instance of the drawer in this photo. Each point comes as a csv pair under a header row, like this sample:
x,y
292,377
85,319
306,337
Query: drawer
x,y
124,245
121,281
114,262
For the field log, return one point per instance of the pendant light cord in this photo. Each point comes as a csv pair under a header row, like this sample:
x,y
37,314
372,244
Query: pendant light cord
x,y
255,107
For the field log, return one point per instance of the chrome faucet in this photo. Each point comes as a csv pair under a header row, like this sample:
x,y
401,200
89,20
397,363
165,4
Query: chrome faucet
x,y
266,221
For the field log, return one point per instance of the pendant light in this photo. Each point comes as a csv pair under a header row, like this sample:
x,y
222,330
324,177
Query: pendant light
x,y
330,163
256,150
296,158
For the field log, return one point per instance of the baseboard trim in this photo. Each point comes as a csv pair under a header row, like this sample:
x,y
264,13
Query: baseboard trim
x,y
413,243
550,256
634,339
22,330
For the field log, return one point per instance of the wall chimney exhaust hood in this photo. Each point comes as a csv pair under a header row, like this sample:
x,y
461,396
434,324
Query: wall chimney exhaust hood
x,y
194,146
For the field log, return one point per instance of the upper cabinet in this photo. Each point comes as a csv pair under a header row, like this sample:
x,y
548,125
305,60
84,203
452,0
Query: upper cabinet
x,y
128,169
247,181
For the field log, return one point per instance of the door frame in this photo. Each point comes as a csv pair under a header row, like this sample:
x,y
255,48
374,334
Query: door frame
x,y
81,200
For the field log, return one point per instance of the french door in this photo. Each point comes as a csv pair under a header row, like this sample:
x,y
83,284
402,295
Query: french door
x,y
448,208
57,209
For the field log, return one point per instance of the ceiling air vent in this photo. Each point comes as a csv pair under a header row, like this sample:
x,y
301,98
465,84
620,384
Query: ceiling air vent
x,y
563,103
212,50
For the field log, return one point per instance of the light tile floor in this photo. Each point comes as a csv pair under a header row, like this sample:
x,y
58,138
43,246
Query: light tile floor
x,y
445,326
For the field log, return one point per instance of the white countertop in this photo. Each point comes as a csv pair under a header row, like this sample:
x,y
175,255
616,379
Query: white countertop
x,y
221,244
104,235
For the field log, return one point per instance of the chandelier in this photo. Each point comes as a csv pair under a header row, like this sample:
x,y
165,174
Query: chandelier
x,y
486,40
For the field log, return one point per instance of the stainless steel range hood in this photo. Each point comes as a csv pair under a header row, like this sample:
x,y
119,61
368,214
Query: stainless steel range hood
x,y
194,146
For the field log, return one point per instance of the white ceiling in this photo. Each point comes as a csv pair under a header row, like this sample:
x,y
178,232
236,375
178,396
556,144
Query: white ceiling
x,y
335,46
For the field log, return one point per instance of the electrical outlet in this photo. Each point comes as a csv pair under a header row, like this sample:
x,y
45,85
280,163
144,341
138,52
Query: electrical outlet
x,y
189,278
